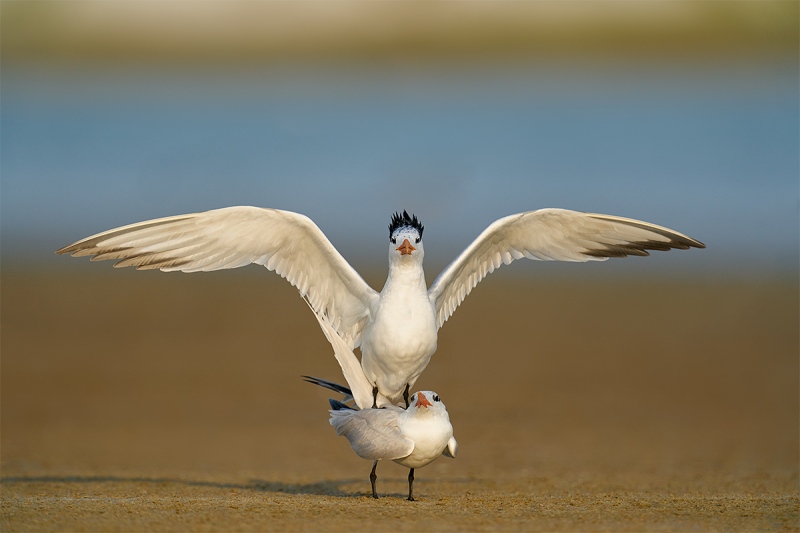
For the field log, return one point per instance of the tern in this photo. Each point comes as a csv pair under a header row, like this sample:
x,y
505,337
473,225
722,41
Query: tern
x,y
412,437
396,328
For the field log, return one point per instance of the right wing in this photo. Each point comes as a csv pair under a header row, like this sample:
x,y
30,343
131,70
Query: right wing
x,y
373,433
288,243
330,385
452,448
547,235
360,387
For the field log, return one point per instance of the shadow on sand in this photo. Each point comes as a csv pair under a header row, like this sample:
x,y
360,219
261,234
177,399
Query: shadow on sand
x,y
322,488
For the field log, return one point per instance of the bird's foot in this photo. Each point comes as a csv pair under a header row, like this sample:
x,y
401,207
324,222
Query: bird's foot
x,y
372,477
411,485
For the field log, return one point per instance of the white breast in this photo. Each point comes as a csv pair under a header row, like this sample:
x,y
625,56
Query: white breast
x,y
430,433
400,340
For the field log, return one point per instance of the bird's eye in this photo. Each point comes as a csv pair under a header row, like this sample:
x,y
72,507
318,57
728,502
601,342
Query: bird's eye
x,y
436,398
394,241
416,241
414,398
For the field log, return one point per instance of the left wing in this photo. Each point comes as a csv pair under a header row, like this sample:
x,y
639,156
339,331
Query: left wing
x,y
547,235
373,433
288,243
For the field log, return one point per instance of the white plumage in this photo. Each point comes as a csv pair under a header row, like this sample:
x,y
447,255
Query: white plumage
x,y
412,437
396,328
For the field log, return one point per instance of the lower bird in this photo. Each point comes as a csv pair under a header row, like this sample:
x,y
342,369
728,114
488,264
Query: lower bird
x,y
413,437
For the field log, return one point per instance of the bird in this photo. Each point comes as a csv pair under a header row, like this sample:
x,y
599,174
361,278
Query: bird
x,y
396,328
412,437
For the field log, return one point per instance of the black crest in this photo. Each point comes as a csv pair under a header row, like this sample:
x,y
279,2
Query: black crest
x,y
402,221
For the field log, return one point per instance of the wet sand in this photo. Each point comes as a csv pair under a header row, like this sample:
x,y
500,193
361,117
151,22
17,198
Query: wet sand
x,y
137,401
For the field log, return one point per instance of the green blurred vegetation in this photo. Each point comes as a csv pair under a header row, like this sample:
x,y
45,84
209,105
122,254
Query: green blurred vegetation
x,y
212,32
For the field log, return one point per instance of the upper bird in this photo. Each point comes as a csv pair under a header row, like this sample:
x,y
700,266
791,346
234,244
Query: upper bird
x,y
396,328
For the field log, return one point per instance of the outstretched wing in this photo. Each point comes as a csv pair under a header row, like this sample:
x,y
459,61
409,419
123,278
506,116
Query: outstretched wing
x,y
548,235
288,243
373,433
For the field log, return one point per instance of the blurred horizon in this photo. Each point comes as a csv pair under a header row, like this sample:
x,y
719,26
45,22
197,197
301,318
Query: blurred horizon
x,y
680,114
208,32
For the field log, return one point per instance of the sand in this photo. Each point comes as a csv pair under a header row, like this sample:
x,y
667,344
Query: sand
x,y
137,401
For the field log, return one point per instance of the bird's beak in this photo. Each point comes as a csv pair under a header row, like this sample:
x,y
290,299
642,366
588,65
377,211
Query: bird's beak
x,y
422,401
406,248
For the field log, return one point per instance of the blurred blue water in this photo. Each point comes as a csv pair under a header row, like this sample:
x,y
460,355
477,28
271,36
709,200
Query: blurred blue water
x,y
711,152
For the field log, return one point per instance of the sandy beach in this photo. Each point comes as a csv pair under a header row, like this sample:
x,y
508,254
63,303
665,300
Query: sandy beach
x,y
164,402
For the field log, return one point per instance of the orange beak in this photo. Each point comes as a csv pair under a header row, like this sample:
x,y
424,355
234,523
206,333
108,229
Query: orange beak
x,y
406,248
422,401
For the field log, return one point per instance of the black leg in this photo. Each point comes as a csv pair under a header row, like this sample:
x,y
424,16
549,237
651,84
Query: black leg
x,y
372,477
405,395
374,396
411,485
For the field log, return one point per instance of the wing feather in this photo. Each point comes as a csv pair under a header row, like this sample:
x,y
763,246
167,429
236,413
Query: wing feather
x,y
548,235
373,433
288,243
360,387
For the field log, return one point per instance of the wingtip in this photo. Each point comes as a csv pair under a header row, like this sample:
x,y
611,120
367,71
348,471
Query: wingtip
x,y
675,237
311,379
